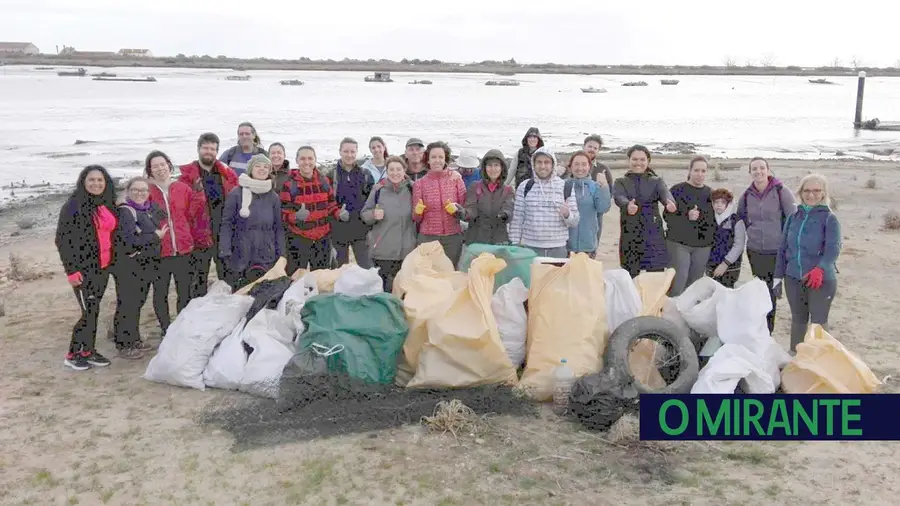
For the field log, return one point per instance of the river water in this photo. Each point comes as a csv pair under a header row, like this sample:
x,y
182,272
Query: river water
x,y
42,114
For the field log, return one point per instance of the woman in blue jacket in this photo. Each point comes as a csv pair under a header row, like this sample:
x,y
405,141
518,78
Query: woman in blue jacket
x,y
806,259
593,202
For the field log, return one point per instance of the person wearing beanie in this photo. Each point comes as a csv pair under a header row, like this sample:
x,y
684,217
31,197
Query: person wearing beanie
x,y
593,202
251,238
545,209
530,143
388,211
489,202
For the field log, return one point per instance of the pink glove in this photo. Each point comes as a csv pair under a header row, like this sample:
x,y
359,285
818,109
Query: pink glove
x,y
75,278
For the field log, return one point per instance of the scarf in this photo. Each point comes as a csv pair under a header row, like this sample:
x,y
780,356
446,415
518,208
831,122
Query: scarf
x,y
138,207
249,186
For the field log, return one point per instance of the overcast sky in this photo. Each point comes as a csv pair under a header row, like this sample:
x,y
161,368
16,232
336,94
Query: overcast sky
x,y
799,32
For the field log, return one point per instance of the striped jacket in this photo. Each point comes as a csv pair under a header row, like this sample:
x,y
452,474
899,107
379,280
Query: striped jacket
x,y
316,194
536,221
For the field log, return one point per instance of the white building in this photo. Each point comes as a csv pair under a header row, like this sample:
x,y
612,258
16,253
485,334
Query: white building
x,y
139,53
18,48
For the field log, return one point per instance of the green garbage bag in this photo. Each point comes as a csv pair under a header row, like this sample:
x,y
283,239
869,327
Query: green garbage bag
x,y
518,262
371,329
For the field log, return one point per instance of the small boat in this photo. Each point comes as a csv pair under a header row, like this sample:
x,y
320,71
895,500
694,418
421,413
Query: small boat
x,y
668,82
821,81
45,68
149,79
237,78
591,89
502,83
72,73
635,83
104,74
292,82
424,81
379,77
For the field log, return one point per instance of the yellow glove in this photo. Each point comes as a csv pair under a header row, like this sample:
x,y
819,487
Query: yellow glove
x,y
420,207
450,208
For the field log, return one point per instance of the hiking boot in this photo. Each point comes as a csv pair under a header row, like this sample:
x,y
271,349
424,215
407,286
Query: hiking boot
x,y
95,359
131,354
77,362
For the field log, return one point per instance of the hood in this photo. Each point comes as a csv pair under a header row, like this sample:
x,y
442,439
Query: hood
x,y
494,154
773,182
720,218
533,131
548,152
816,209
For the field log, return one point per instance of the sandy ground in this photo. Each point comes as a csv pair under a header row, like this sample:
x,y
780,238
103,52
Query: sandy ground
x,y
109,437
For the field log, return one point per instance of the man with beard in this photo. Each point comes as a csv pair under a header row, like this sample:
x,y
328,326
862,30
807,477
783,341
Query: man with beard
x,y
211,181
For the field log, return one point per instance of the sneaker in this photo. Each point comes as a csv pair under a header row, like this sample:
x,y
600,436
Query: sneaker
x,y
76,361
95,359
143,346
131,354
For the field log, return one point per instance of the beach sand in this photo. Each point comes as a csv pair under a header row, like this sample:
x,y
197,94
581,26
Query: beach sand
x,y
109,437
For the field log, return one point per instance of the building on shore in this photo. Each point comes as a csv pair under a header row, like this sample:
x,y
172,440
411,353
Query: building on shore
x,y
18,48
71,51
136,53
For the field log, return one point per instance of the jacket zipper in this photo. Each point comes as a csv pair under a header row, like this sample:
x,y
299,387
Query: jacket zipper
x,y
169,216
799,235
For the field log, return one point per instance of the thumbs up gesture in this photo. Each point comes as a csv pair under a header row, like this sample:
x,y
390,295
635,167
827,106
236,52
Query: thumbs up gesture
x,y
420,207
451,208
343,214
303,213
632,208
378,213
694,214
670,207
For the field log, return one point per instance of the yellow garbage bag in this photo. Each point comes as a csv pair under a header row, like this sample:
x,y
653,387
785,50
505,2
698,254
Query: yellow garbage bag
x,y
824,366
325,278
652,287
566,319
463,347
427,297
427,258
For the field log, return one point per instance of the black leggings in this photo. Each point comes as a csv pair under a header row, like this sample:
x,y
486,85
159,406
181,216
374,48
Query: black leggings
x,y
179,267
808,306
388,270
133,280
200,265
762,265
89,294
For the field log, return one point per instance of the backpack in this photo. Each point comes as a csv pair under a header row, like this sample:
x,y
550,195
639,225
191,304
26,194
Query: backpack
x,y
133,213
567,188
746,215
323,182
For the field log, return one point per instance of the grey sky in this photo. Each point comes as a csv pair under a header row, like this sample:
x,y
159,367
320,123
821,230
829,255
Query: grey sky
x,y
799,32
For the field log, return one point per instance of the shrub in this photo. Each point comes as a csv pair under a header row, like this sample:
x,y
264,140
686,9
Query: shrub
x,y
871,183
892,220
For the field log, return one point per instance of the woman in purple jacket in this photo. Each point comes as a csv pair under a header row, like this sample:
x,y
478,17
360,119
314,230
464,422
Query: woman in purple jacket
x,y
251,238
807,256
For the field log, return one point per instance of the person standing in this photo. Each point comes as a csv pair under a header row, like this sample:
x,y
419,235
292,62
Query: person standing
x,y
593,200
599,171
280,165
544,209
249,144
807,258
210,180
642,242
438,201
389,211
415,159
376,164
173,198
352,187
691,228
251,239
530,144
729,240
139,237
307,208
764,207
85,235
469,167
489,202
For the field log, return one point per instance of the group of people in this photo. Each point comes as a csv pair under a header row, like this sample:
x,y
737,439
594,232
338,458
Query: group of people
x,y
244,210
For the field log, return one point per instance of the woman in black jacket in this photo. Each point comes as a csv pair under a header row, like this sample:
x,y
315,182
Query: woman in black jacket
x,y
137,264
84,238
691,228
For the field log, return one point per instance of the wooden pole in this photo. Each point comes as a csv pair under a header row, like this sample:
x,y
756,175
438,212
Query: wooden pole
x,y
860,89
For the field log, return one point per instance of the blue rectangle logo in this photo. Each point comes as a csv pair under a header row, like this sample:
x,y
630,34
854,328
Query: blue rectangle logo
x,y
781,417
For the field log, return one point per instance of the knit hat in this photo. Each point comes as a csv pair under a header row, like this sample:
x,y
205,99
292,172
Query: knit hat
x,y
249,186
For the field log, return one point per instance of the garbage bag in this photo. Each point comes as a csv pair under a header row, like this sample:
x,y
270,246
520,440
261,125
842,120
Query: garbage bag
x,y
697,305
277,271
824,366
226,366
518,262
653,287
271,342
623,302
192,337
428,258
267,294
597,401
371,329
294,298
508,305
566,319
356,282
325,278
463,348
311,361
728,366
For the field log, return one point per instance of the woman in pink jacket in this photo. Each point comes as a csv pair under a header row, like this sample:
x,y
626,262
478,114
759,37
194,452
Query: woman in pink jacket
x,y
438,202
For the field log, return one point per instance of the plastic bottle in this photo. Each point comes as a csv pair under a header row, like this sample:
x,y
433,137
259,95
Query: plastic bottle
x,y
564,378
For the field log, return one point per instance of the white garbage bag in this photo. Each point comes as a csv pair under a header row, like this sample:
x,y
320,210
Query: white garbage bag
x,y
192,337
293,299
219,288
508,305
359,282
731,364
272,342
623,302
697,305
226,366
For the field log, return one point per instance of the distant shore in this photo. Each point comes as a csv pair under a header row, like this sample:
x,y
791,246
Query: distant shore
x,y
487,67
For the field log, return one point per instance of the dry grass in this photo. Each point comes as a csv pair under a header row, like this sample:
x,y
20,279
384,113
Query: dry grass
x,y
892,220
453,417
871,184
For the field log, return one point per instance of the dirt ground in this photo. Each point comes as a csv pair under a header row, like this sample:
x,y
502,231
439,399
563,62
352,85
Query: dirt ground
x,y
109,437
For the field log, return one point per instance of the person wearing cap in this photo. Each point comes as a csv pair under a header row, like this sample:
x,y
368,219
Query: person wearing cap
x,y
415,164
438,200
468,167
489,202
251,238
530,143
543,212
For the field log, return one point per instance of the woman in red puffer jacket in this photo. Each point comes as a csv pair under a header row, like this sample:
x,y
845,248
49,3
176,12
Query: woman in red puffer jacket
x,y
174,198
438,202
